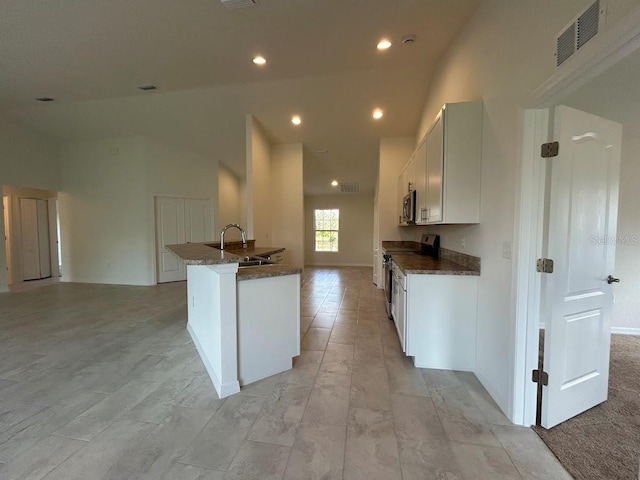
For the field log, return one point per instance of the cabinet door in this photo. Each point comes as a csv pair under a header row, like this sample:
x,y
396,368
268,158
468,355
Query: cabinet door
x,y
420,174
435,159
401,310
411,174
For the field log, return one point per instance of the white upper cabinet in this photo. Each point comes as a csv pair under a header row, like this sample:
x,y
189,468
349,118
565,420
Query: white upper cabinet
x,y
454,158
420,173
445,168
434,168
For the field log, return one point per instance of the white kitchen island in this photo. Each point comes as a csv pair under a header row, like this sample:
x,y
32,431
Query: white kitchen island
x,y
245,323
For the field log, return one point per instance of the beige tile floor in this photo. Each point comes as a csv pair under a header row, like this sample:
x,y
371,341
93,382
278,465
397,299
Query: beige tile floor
x,y
103,382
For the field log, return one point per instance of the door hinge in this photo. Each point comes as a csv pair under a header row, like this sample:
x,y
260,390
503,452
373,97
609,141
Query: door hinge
x,y
538,376
544,265
550,149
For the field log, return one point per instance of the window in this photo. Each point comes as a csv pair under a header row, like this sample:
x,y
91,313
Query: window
x,y
327,224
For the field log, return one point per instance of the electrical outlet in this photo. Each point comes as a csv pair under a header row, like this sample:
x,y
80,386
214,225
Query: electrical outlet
x,y
506,250
463,243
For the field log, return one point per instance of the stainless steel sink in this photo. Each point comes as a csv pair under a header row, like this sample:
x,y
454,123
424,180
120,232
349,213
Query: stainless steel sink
x,y
254,262
248,261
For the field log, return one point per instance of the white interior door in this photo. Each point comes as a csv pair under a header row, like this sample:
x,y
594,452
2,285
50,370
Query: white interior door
x,y
198,220
52,205
44,247
581,242
170,229
7,237
29,239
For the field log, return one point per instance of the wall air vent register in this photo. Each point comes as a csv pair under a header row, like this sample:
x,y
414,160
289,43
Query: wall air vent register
x,y
233,4
580,30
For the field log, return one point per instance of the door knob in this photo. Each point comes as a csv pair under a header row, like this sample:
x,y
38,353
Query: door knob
x,y
611,280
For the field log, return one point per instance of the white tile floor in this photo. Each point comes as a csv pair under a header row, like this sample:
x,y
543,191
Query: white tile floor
x,y
103,382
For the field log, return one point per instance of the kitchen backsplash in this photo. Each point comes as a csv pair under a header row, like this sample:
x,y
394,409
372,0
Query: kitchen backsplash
x,y
463,259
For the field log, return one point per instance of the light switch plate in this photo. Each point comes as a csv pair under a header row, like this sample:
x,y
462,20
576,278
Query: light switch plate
x,y
506,250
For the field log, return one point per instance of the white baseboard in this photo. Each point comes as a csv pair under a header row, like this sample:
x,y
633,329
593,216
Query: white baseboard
x,y
625,331
223,390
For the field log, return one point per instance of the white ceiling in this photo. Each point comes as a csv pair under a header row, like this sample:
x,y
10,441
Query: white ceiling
x,y
322,64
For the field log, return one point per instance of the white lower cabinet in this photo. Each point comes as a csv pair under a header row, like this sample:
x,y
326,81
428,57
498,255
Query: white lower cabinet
x,y
438,327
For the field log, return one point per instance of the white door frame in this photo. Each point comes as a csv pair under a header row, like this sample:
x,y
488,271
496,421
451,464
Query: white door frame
x,y
611,46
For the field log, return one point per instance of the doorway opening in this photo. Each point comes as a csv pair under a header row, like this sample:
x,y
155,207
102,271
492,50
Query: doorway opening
x,y
32,234
621,42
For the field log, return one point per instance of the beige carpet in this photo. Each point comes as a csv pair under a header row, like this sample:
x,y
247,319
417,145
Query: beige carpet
x,y
604,442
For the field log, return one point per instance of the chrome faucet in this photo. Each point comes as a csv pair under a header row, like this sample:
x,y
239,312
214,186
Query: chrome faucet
x,y
244,235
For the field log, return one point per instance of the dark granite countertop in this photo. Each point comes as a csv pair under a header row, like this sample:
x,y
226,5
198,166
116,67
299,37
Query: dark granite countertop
x,y
266,271
405,255
421,264
400,246
208,254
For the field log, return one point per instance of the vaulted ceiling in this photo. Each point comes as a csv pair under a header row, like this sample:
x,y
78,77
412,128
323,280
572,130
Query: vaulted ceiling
x,y
322,64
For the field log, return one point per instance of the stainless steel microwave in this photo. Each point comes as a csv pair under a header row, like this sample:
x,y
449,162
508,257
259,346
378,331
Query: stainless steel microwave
x,y
409,207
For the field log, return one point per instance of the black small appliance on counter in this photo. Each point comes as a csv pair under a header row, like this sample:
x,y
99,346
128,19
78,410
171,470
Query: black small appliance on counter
x,y
430,245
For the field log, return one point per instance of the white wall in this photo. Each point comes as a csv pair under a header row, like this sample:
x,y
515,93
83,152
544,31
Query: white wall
x,y
103,212
259,205
356,230
626,306
274,193
230,203
107,204
29,160
501,56
394,154
288,201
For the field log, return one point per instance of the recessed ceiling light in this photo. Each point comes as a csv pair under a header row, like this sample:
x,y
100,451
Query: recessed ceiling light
x,y
384,44
378,113
259,60
44,99
296,120
334,183
147,87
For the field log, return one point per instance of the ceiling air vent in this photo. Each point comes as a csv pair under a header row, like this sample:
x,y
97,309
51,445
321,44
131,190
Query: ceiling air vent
x,y
566,44
349,187
588,24
233,4
582,28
